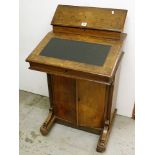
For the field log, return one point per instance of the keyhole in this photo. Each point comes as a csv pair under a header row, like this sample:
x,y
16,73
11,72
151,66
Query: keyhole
x,y
78,99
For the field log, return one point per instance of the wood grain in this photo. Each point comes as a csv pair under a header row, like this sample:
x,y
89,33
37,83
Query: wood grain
x,y
91,104
89,32
81,95
106,70
64,98
96,18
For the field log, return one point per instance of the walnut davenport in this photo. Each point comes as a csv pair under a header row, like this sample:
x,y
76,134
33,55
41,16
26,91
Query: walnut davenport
x,y
83,95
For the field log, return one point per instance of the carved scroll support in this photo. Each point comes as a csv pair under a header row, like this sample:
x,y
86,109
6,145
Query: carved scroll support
x,y
46,126
103,138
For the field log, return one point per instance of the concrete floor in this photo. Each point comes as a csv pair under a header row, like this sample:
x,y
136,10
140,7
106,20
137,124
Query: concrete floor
x,y
64,140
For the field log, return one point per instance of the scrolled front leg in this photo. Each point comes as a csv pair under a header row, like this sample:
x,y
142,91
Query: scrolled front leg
x,y
46,126
101,146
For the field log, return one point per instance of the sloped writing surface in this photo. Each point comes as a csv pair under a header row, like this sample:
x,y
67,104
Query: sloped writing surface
x,y
78,51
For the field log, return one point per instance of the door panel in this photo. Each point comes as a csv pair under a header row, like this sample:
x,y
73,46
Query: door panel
x,y
64,98
91,103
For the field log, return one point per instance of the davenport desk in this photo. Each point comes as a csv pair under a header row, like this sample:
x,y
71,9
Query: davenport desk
x,y
81,57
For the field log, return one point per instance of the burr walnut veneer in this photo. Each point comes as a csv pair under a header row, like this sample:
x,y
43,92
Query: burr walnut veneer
x,y
81,57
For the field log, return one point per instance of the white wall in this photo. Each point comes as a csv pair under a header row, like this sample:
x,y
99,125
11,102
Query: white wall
x,y
35,18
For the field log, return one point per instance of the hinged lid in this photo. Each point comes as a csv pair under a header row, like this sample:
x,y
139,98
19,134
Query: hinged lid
x,y
90,18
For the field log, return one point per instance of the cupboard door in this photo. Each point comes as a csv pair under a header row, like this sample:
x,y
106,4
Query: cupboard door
x,y
64,98
91,103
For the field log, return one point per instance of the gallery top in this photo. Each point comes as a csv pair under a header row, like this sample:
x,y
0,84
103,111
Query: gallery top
x,y
90,18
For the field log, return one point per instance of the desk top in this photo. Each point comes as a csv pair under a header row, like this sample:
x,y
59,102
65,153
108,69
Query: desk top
x,y
104,67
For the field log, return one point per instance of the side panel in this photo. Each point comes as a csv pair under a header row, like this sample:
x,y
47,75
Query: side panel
x,y
113,96
64,98
91,103
115,90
